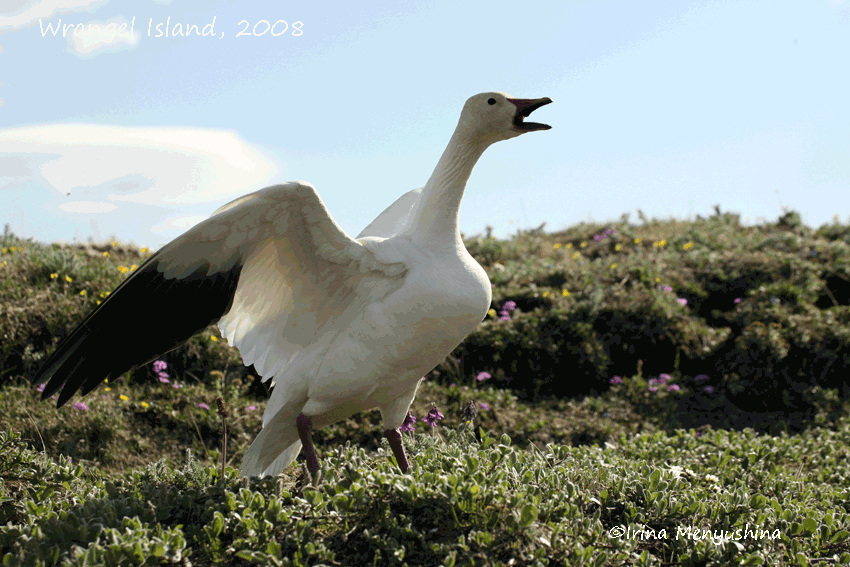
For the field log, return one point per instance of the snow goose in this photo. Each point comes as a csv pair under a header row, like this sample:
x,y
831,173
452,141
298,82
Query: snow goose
x,y
340,325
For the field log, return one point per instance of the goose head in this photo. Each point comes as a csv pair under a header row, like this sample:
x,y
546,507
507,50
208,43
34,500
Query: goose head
x,y
494,116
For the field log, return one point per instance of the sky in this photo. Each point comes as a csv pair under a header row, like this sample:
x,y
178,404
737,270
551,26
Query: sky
x,y
667,107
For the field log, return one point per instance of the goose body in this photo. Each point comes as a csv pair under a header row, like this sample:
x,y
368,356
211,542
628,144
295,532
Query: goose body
x,y
340,325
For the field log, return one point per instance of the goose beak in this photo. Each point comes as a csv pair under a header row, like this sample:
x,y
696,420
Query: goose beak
x,y
524,107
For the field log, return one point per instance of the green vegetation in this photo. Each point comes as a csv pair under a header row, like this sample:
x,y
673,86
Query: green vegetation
x,y
678,381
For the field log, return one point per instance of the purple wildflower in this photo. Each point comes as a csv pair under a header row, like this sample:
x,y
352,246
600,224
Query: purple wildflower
x,y
252,407
159,366
616,380
452,385
81,406
433,417
509,305
202,405
164,378
409,423
653,389
484,405
683,301
662,378
41,388
483,376
673,388
701,377
598,237
708,389
503,316
738,300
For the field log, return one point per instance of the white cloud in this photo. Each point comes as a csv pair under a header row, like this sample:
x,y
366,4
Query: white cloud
x,y
99,36
87,207
18,15
177,224
152,166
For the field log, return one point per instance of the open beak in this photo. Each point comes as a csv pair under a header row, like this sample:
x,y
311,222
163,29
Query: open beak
x,y
524,107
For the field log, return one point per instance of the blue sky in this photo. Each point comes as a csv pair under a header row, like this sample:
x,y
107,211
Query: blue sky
x,y
667,107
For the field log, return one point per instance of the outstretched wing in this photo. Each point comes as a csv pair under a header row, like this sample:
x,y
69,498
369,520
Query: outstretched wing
x,y
394,218
272,266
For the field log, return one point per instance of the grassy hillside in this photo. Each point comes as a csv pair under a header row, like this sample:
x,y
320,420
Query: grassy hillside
x,y
665,378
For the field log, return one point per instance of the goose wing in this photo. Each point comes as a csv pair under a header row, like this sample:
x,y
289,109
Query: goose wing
x,y
394,217
272,267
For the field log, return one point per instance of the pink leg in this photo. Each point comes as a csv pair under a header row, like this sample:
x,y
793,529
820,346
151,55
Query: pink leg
x,y
394,437
304,427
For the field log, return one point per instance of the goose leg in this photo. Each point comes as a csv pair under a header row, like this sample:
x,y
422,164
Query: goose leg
x,y
394,437
305,425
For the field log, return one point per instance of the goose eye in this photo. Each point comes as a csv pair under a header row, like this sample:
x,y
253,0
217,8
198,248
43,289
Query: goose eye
x,y
491,101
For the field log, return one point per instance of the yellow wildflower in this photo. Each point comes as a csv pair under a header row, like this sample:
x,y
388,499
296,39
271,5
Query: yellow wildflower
x,y
54,275
557,245
68,279
617,248
565,293
688,245
145,404
614,265
638,240
491,312
123,269
107,389
133,268
106,254
123,397
83,293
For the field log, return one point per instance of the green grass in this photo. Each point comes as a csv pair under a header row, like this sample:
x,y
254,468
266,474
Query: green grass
x,y
730,414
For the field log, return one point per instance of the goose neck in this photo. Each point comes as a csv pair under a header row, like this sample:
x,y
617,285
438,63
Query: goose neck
x,y
435,216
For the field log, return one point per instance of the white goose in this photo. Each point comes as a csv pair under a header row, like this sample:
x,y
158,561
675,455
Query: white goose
x,y
341,325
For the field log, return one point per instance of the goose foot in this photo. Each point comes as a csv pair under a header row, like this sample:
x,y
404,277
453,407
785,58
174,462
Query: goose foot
x,y
305,426
394,437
